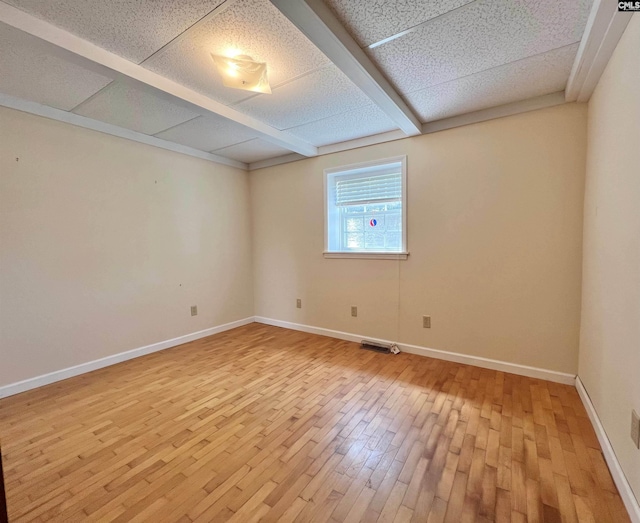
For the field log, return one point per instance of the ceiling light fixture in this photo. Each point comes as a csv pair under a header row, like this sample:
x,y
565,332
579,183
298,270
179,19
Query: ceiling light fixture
x,y
241,72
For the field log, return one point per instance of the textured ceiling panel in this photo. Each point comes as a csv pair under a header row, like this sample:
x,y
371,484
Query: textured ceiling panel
x,y
208,133
370,21
133,29
536,76
135,108
478,36
251,27
320,94
361,122
252,151
33,70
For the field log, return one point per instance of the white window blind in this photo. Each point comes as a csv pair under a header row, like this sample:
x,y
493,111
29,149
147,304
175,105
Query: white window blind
x,y
369,189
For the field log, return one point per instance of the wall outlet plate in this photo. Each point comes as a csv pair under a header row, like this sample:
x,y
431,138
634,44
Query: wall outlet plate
x,y
194,310
635,428
354,311
426,322
298,303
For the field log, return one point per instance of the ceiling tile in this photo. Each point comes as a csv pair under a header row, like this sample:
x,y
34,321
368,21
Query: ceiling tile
x,y
536,76
133,29
208,133
320,94
251,27
252,151
364,121
33,70
136,108
370,21
478,36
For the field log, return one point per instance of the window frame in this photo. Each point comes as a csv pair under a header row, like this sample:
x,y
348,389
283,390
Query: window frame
x,y
332,172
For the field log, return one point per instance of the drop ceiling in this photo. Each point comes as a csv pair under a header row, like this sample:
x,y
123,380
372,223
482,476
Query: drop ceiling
x,y
144,66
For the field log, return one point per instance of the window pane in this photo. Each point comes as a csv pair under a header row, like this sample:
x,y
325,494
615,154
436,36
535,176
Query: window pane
x,y
394,222
353,209
371,227
375,222
354,241
374,240
393,240
354,224
377,207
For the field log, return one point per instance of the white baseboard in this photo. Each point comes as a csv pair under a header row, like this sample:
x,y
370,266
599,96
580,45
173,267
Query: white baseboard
x,y
63,374
513,368
629,499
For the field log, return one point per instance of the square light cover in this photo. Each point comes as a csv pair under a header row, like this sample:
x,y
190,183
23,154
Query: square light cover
x,y
241,72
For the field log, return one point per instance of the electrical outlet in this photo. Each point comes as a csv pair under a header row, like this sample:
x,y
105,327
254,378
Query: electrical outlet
x,y
354,311
426,322
299,303
194,310
635,428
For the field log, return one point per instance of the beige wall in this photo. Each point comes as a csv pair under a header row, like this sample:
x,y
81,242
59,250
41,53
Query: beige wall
x,y
105,244
610,334
495,235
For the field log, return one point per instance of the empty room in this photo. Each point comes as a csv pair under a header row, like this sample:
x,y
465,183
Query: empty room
x,y
320,261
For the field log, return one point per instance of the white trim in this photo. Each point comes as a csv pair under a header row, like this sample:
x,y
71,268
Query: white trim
x,y
278,160
326,32
500,111
27,23
367,255
626,493
63,374
477,361
603,31
365,141
107,128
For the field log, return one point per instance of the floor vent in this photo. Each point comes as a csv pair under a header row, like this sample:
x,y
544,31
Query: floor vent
x,y
385,348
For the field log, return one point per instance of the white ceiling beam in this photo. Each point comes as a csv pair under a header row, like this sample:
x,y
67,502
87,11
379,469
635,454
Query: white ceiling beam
x,y
326,32
601,35
77,46
107,128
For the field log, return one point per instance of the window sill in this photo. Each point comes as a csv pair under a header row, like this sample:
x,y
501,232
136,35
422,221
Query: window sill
x,y
368,255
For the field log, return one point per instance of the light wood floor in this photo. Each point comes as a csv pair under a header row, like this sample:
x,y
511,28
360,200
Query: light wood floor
x,y
262,423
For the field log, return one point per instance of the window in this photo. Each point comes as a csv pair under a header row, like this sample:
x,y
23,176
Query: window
x,y
365,206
